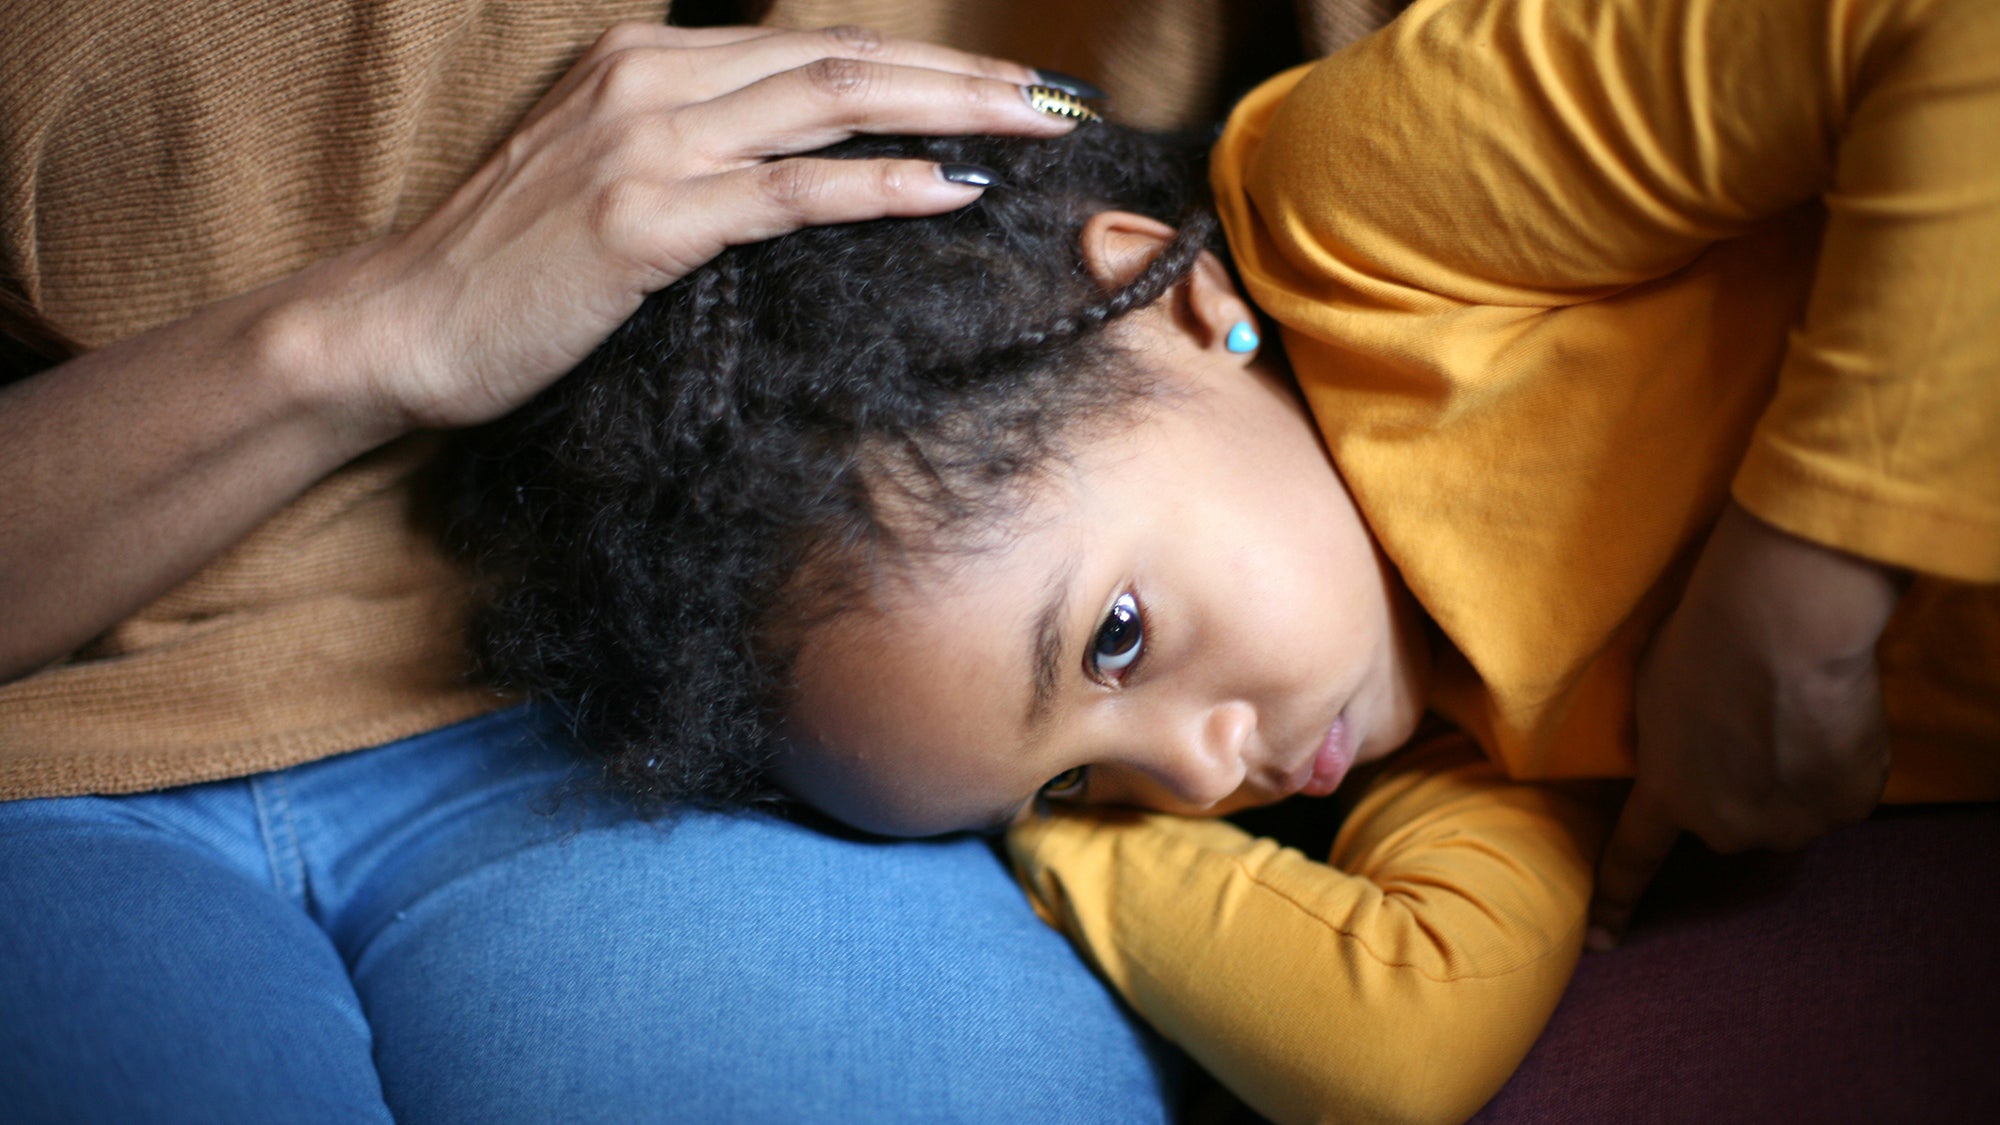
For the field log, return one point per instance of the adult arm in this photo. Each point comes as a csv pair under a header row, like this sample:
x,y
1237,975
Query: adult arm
x,y
125,469
1402,981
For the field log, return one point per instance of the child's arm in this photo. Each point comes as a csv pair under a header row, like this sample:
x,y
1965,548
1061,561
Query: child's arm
x,y
1759,707
1468,208
1405,982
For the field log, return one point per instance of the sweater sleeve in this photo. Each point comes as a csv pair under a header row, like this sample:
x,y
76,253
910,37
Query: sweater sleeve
x,y
1403,981
1484,162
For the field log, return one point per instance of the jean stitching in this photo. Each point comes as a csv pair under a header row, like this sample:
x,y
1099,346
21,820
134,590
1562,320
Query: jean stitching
x,y
300,874
286,879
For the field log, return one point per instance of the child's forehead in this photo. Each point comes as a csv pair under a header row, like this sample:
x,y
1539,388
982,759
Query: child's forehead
x,y
1099,497
1101,488
1012,549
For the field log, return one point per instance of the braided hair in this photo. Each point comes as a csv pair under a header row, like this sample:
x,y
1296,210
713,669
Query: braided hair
x,y
657,531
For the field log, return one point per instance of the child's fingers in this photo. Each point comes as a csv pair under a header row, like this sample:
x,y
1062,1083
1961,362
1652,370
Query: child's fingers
x,y
1640,843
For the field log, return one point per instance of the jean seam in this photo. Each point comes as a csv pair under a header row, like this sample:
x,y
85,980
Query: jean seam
x,y
286,878
300,872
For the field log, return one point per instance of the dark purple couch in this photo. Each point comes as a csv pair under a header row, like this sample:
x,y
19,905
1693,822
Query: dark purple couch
x,y
1856,981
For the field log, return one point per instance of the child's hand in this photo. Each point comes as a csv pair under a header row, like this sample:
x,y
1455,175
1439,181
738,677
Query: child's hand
x,y
1759,708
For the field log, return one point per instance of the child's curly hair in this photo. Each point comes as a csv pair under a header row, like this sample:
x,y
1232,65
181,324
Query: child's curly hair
x,y
657,531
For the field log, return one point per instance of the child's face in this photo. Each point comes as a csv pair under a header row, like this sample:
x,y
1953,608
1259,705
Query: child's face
x,y
1192,614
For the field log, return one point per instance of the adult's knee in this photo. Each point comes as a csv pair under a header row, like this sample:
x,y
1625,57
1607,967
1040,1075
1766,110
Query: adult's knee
x,y
746,968
145,982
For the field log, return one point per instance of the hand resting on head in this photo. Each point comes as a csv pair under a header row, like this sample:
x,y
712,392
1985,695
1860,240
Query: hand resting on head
x,y
659,147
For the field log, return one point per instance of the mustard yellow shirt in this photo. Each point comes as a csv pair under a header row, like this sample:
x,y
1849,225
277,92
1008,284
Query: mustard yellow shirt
x,y
1557,278
1401,980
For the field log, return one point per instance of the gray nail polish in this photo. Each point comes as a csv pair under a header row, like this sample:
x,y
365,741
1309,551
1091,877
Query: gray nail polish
x,y
1070,84
974,175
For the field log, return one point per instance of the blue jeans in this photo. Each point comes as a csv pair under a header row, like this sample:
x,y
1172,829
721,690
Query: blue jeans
x,y
422,930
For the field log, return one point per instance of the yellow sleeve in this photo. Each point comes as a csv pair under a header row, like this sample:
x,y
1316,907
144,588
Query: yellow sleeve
x,y
1423,198
1884,436
1403,982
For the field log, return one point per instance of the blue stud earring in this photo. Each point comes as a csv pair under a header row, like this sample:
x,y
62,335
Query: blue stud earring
x,y
1242,338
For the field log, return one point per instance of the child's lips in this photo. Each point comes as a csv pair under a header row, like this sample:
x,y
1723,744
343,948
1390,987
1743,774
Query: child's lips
x,y
1332,761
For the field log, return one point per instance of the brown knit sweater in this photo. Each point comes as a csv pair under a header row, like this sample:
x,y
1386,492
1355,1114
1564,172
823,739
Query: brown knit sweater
x,y
155,158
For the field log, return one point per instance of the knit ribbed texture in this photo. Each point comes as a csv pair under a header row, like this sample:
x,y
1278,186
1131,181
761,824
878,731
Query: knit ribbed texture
x,y
158,157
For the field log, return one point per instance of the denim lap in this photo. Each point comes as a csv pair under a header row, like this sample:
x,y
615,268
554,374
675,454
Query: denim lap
x,y
428,928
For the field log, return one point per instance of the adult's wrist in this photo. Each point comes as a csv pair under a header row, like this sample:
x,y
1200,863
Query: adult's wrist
x,y
327,345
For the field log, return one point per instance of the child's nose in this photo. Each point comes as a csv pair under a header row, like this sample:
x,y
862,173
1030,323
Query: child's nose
x,y
1202,761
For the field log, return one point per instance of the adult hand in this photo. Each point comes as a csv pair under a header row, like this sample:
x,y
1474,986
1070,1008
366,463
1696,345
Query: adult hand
x,y
1759,708
659,148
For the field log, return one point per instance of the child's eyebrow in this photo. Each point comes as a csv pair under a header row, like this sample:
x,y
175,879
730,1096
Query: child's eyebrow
x,y
1045,643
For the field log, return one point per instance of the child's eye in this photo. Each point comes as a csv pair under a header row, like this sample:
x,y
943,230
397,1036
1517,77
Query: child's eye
x,y
1119,640
1068,783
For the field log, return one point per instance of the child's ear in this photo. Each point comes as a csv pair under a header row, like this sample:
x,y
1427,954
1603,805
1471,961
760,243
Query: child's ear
x,y
1206,306
1117,245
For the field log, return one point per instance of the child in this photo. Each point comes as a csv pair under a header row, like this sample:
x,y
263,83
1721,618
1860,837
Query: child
x,y
923,523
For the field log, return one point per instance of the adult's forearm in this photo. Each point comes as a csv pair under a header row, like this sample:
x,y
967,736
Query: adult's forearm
x,y
123,471
126,469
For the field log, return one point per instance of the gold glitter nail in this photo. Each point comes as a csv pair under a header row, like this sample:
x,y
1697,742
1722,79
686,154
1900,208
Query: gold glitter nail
x,y
1059,103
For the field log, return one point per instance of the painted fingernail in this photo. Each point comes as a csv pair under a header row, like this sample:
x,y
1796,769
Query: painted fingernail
x,y
1070,84
973,175
1059,103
